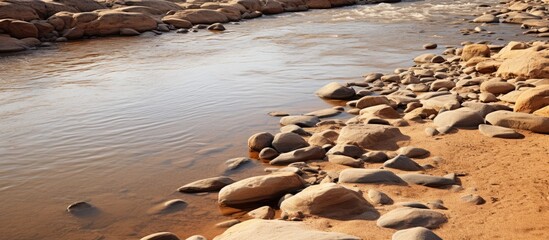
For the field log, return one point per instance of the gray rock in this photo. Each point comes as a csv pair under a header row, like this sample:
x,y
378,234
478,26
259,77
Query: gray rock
x,y
412,205
213,184
344,160
374,157
299,155
346,150
377,197
413,152
402,162
499,132
335,90
402,218
287,142
460,118
417,233
369,176
302,121
259,229
161,236
268,154
260,140
426,180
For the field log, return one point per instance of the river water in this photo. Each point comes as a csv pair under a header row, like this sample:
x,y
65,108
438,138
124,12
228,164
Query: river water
x,y
123,122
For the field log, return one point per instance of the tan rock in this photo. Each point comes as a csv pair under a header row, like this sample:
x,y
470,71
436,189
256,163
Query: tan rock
x,y
16,11
532,99
529,65
496,87
201,16
9,44
368,135
544,112
475,50
518,120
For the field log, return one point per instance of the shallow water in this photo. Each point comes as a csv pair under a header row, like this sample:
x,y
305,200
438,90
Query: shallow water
x,y
123,122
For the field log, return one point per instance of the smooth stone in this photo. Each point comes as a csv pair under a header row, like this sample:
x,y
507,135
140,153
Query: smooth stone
x,y
268,154
369,101
235,163
327,200
228,223
402,162
260,140
445,101
486,18
278,114
196,237
300,155
260,188
323,138
431,131
335,90
344,160
328,112
259,229
216,27
346,150
294,129
499,132
368,135
161,236
517,120
430,46
413,152
473,199
475,50
302,121
288,141
532,99
416,233
374,157
412,205
377,176
377,197
213,184
403,218
264,212
382,111
496,87
426,180
460,118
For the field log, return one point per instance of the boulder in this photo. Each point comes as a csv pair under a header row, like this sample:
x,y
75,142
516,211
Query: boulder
x,y
376,176
213,184
110,22
21,29
530,64
368,135
498,132
16,11
200,16
475,50
9,44
427,180
287,142
335,90
405,217
402,162
326,200
260,188
323,138
344,160
272,7
346,150
486,18
416,233
519,120
369,101
259,229
532,99
268,154
460,118
299,155
496,87
259,141
302,121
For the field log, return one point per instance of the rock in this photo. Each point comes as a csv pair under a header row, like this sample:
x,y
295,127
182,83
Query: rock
x,y
328,112
8,44
445,101
318,4
486,18
264,212
128,32
473,199
213,184
374,157
475,50
200,16
532,99
382,111
323,138
235,163
272,7
268,154
413,152
109,22
299,155
259,229
287,142
260,140
168,207
278,114
426,180
430,46
335,90
438,84
517,120
326,200
487,97
302,121
412,205
530,64
344,160
178,23
377,197
368,135
402,162
228,223
196,237
346,150
496,87
21,29
161,236
369,101
9,10
81,209
216,27
460,118
403,218
377,176
544,112
416,233
260,188
499,132
424,58
295,129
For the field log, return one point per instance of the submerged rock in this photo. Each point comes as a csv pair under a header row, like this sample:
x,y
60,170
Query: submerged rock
x,y
213,184
302,121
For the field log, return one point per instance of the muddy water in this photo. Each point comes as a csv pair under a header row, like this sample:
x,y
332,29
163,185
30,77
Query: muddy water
x,y
123,122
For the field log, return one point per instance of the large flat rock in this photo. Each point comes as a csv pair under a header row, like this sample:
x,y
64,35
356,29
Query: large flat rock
x,y
368,135
405,217
518,120
377,176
